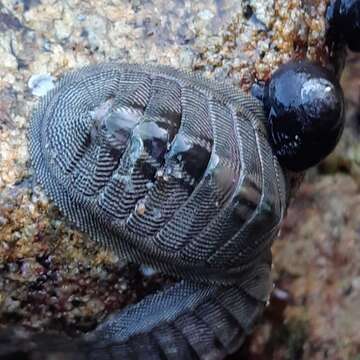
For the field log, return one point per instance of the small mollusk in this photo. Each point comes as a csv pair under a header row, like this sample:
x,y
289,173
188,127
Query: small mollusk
x,y
304,103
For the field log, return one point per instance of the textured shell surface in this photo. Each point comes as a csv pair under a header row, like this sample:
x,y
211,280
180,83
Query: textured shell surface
x,y
164,167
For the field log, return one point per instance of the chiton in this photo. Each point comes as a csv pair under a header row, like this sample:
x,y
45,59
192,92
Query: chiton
x,y
164,167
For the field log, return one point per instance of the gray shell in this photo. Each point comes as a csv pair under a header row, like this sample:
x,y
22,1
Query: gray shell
x,y
164,167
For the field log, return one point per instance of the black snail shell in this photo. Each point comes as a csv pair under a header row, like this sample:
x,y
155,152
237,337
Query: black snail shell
x,y
165,167
304,103
343,17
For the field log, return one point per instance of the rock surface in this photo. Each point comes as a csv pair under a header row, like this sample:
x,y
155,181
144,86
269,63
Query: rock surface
x,y
51,277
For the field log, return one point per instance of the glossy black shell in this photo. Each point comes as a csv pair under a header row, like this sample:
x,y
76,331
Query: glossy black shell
x,y
304,103
343,18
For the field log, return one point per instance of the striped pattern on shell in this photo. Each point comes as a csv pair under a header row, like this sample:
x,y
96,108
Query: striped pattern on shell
x,y
164,167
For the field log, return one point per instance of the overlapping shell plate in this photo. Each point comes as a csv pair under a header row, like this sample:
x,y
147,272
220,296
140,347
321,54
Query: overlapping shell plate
x,y
165,167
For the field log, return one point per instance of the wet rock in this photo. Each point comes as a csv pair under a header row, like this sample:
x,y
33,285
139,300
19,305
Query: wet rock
x,y
315,276
9,22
